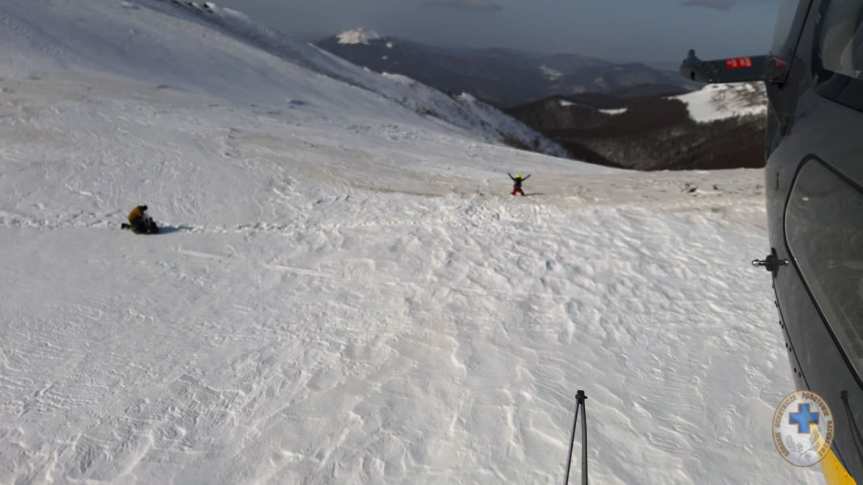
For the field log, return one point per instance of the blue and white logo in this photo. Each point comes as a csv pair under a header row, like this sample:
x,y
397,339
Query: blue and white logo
x,y
803,428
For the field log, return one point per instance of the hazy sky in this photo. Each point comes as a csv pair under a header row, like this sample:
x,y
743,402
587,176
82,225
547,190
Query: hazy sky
x,y
640,30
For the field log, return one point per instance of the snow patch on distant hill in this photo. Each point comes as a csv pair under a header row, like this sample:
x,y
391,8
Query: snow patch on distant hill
x,y
550,73
565,103
717,102
467,97
229,12
359,36
614,112
399,78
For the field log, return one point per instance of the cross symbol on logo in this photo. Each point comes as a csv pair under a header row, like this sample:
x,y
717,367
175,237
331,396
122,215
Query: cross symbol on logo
x,y
803,418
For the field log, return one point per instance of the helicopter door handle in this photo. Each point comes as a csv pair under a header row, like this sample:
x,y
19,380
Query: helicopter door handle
x,y
771,263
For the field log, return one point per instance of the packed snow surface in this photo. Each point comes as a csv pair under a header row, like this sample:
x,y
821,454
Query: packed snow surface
x,y
721,101
344,292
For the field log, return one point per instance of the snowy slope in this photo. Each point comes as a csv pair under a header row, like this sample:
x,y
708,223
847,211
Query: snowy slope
x,y
474,117
345,294
181,49
716,102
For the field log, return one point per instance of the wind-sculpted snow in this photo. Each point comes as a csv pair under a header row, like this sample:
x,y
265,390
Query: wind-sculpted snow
x,y
354,297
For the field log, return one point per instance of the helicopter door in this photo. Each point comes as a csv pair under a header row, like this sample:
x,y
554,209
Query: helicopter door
x,y
784,152
815,179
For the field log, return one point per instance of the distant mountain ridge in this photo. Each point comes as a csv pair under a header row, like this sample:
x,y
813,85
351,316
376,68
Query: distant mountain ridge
x,y
503,77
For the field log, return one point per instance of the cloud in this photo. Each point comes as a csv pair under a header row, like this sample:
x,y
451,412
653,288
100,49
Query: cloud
x,y
724,5
486,6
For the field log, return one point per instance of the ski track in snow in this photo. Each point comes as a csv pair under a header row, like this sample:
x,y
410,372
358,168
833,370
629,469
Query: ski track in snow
x,y
353,298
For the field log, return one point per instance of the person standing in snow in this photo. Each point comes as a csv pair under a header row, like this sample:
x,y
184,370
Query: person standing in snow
x,y
140,222
516,183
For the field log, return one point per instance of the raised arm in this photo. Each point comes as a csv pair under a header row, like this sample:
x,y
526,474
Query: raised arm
x,y
528,176
510,176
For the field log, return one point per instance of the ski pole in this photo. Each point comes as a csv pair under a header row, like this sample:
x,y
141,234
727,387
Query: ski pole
x,y
581,397
580,407
571,443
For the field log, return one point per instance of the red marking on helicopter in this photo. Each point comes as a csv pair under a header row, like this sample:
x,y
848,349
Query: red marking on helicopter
x,y
738,63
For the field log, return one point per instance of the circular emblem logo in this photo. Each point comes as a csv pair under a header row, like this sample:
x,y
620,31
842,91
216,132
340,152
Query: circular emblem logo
x,y
803,428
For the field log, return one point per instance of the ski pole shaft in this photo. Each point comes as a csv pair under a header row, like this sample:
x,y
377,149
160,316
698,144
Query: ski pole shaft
x,y
581,404
571,444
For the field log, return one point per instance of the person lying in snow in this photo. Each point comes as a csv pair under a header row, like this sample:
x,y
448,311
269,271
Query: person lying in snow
x,y
140,222
516,183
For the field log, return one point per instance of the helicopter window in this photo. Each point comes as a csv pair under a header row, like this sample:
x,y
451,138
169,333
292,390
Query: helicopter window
x,y
841,43
784,25
824,229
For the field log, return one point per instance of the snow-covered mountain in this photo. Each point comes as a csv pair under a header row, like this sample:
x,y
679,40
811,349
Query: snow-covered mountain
x,y
715,102
361,36
503,77
344,291
716,127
